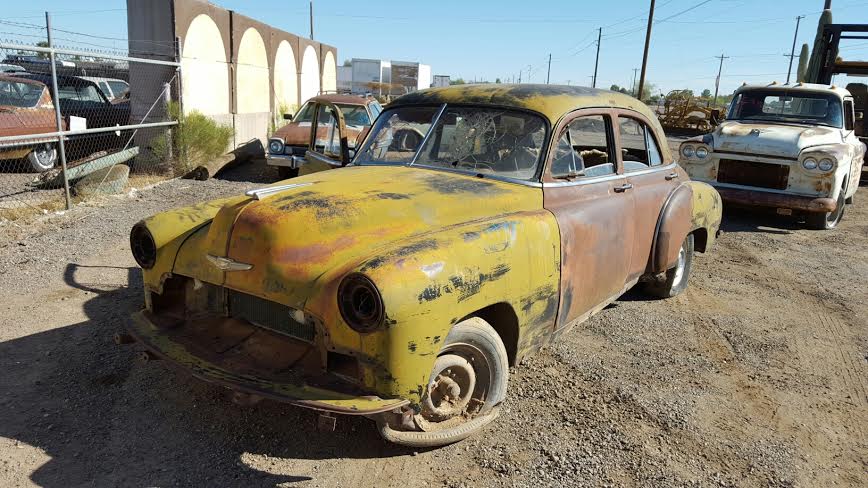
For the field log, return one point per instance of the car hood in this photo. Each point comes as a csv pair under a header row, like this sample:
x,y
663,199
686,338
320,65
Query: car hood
x,y
342,219
771,139
298,134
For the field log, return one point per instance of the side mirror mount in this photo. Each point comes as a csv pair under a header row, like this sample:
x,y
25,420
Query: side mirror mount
x,y
860,115
287,116
715,116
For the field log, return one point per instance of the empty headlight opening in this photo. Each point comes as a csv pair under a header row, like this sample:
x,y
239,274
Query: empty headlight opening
x,y
360,303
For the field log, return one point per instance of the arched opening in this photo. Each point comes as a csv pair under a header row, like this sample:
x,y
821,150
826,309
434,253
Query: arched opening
x,y
204,71
285,80
309,74
251,89
329,73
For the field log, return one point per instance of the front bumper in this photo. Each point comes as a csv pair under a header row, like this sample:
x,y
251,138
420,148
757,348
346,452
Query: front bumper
x,y
240,356
776,200
286,160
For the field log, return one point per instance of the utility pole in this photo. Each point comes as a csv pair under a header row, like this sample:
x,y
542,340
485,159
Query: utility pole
x,y
549,72
719,72
793,50
519,77
633,85
645,55
311,20
597,62
528,72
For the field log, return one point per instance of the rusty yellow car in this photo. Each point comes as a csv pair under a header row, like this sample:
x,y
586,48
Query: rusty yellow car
x,y
403,286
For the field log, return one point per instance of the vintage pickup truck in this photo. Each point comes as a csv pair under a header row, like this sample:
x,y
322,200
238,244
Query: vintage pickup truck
x,y
789,147
403,286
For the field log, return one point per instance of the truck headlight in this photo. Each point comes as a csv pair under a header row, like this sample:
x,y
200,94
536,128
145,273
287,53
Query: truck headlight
x,y
809,163
688,151
701,152
826,164
275,146
360,303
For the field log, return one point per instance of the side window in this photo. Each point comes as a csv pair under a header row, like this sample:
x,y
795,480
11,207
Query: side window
x,y
328,138
638,147
583,150
849,115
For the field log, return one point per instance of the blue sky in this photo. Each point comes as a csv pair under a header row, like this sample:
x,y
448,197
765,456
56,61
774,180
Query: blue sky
x,y
487,39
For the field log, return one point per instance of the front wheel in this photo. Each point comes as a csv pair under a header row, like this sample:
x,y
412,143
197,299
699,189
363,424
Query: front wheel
x,y
676,277
42,158
466,385
827,220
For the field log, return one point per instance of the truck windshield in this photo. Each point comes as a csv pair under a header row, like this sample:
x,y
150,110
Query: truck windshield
x,y
787,106
478,140
354,115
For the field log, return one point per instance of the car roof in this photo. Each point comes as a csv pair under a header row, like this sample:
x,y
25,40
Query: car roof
x,y
796,87
552,101
20,79
98,79
63,78
344,99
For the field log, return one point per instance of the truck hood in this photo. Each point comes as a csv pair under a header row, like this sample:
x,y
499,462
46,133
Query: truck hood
x,y
771,139
340,220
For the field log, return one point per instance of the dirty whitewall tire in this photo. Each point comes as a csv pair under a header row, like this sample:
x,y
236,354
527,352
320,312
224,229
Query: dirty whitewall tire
x,y
42,158
678,276
827,220
474,343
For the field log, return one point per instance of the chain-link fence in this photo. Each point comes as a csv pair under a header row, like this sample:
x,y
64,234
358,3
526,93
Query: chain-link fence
x,y
77,123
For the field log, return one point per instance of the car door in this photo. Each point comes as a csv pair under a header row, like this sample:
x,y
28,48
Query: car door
x,y
328,147
652,179
584,188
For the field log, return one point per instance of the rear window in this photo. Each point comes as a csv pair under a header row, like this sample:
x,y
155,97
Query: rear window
x,y
18,94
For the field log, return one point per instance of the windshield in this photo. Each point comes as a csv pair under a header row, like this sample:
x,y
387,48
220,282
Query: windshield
x,y
18,94
787,106
481,140
354,115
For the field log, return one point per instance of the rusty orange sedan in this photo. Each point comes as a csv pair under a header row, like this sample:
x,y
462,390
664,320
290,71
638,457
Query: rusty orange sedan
x,y
403,286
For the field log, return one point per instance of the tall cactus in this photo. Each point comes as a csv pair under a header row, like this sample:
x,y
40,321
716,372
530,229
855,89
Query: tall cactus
x,y
802,70
812,74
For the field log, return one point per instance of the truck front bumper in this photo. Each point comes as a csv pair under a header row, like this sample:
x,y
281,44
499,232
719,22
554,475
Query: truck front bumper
x,y
241,356
776,200
285,160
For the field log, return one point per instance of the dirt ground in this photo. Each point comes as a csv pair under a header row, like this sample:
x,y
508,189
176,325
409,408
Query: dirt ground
x,y
756,376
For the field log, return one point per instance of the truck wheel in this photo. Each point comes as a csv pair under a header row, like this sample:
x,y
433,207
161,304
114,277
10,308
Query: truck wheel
x,y
827,220
42,158
285,172
677,276
466,386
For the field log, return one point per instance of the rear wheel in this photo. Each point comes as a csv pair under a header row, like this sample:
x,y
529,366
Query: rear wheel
x,y
285,172
466,385
827,220
42,158
676,277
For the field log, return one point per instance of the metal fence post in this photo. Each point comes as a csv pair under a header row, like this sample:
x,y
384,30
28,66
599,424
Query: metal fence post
x,y
57,115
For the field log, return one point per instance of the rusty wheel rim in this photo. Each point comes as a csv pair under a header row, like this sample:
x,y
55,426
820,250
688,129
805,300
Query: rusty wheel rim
x,y
452,384
679,267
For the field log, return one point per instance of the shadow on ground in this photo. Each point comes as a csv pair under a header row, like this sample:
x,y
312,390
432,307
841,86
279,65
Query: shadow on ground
x,y
106,419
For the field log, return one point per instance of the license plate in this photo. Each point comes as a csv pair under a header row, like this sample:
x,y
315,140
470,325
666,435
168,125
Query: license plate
x,y
785,211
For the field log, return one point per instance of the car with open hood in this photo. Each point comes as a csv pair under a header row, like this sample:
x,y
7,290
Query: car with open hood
x,y
789,147
289,144
403,286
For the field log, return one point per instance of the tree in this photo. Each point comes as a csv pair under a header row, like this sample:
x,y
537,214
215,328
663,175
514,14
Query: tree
x,y
457,81
42,44
615,88
706,93
497,80
347,62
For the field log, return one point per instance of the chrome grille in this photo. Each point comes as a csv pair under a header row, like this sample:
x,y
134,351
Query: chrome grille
x,y
270,315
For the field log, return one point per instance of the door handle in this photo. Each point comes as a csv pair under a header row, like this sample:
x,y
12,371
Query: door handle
x,y
623,188
671,176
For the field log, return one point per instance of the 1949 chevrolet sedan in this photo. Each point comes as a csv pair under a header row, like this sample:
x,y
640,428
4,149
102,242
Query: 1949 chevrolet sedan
x,y
403,286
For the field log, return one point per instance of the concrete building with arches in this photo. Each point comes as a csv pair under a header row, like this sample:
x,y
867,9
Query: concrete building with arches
x,y
234,69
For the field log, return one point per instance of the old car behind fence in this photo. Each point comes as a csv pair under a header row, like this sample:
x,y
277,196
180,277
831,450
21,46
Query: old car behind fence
x,y
75,124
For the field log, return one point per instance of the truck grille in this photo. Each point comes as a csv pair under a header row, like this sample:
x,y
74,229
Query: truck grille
x,y
747,173
270,315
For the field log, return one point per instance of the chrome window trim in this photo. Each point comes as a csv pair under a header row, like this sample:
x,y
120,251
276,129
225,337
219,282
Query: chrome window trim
x,y
428,134
598,179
